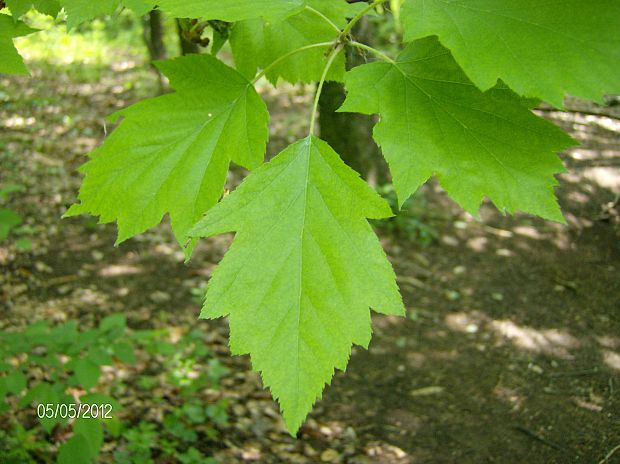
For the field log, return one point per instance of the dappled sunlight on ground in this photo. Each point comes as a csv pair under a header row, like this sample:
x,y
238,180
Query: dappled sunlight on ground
x,y
551,341
115,270
612,359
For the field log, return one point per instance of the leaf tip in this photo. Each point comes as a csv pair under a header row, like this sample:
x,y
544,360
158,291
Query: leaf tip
x,y
74,210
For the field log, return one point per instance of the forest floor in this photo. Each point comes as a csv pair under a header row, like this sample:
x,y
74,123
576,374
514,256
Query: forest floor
x,y
510,352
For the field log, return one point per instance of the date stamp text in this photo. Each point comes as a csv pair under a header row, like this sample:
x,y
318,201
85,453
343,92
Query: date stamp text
x,y
74,411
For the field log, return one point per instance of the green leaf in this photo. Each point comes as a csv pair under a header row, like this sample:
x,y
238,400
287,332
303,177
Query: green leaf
x,y
303,270
540,49
193,456
76,450
194,412
217,413
3,393
79,11
10,61
247,40
84,340
113,322
114,426
258,43
37,329
37,393
9,219
139,7
124,352
8,189
20,7
46,394
15,382
65,335
171,153
99,356
87,373
434,121
230,10
23,244
92,431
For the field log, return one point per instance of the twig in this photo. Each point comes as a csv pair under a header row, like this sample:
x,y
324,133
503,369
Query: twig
x,y
319,87
358,16
411,281
537,437
61,280
574,373
287,55
324,18
608,455
379,53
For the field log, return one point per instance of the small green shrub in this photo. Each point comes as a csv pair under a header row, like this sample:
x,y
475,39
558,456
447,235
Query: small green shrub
x,y
412,221
51,388
11,221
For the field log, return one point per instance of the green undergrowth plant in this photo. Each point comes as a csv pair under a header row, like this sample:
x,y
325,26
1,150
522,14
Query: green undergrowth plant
x,y
11,223
455,102
51,388
51,374
414,220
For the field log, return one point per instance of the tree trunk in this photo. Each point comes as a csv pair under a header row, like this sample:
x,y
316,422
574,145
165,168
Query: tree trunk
x,y
350,134
153,34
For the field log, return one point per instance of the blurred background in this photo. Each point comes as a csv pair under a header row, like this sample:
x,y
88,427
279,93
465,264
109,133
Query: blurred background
x,y
510,351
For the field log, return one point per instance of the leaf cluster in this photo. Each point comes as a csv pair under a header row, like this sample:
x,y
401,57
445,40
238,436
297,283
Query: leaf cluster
x,y
305,267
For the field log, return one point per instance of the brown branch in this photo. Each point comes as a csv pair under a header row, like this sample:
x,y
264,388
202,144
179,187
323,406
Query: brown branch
x,y
537,437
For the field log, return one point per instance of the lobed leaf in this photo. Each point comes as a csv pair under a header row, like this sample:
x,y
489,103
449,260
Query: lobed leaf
x,y
302,272
139,7
170,154
20,7
79,11
10,61
230,10
434,121
543,49
256,43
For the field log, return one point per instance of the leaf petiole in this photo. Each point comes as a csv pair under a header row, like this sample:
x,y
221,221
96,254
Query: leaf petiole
x,y
319,88
345,32
372,50
325,18
287,55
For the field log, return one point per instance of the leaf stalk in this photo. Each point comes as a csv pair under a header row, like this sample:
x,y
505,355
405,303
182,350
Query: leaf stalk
x,y
347,30
287,55
319,88
372,50
325,18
